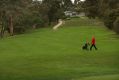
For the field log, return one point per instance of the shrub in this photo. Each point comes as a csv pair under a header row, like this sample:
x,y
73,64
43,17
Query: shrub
x,y
116,25
109,18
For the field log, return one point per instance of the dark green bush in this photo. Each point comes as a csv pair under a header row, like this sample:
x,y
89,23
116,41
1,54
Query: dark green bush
x,y
116,25
109,18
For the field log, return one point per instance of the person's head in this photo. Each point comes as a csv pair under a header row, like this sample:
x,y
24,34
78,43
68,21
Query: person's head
x,y
93,36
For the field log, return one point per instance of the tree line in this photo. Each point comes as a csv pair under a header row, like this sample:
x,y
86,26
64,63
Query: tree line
x,y
17,16
105,10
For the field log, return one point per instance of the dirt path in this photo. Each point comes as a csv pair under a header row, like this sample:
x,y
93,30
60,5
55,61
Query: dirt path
x,y
58,25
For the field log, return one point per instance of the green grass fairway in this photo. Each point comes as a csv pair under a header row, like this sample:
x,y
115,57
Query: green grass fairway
x,y
45,54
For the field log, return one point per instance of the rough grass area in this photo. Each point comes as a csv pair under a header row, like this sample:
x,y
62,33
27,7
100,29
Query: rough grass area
x,y
57,55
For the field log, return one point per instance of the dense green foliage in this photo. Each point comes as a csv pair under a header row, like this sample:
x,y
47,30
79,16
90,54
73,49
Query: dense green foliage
x,y
17,16
78,6
106,10
57,55
116,25
10,10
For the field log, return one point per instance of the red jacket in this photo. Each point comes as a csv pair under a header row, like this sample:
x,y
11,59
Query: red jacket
x,y
93,40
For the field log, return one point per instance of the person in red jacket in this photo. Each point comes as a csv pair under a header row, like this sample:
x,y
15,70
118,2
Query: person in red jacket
x,y
93,43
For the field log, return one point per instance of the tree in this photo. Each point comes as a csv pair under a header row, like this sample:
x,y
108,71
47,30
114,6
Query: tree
x,y
91,8
106,10
67,4
116,25
12,9
78,6
53,10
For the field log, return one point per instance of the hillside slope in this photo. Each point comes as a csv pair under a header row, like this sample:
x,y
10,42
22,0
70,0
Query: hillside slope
x,y
57,55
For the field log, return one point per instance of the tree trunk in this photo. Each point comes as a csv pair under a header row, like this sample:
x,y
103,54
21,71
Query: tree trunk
x,y
11,25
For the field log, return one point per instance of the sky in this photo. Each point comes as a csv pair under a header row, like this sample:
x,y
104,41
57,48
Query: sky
x,y
74,0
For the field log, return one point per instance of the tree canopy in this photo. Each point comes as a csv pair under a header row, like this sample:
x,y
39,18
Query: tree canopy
x,y
106,10
16,16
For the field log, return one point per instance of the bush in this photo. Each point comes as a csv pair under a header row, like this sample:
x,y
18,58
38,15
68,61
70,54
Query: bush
x,y
19,30
39,22
109,18
116,25
108,23
25,22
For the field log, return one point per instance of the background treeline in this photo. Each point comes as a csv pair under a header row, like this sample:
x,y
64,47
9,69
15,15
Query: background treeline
x,y
106,10
17,16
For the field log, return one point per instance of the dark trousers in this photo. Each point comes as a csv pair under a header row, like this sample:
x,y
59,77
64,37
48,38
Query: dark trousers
x,y
93,45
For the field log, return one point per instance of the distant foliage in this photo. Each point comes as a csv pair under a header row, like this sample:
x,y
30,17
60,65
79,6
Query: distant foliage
x,y
106,10
17,16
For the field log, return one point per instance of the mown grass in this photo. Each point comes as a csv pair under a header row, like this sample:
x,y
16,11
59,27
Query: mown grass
x,y
57,55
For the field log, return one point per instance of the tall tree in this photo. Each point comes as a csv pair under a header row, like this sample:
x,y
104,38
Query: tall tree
x,y
78,6
67,4
54,8
12,9
91,8
106,10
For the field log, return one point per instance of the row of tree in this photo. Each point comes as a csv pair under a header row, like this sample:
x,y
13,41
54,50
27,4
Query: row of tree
x,y
16,16
106,10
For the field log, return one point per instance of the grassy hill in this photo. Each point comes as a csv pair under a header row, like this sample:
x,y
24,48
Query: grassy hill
x,y
57,55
